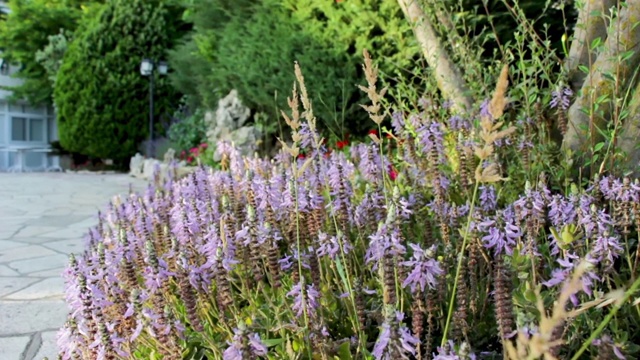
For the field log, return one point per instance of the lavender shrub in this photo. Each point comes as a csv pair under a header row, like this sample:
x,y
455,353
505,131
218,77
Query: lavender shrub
x,y
329,257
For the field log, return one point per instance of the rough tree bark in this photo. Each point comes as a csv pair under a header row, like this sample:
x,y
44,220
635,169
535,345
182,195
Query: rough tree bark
x,y
448,77
621,37
592,23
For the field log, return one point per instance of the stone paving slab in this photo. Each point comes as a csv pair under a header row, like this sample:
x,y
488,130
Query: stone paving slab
x,y
10,346
48,346
49,288
24,252
43,218
29,266
29,317
12,284
8,245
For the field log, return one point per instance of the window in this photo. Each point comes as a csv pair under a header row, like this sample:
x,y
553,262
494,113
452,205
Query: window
x,y
24,129
18,129
36,130
4,67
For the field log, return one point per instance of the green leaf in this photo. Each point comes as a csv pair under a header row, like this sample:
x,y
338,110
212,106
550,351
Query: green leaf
x,y
344,351
296,345
273,342
340,269
530,295
626,55
598,147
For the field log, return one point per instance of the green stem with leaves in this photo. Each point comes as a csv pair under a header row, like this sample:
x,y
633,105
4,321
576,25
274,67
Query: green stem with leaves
x,y
459,266
618,305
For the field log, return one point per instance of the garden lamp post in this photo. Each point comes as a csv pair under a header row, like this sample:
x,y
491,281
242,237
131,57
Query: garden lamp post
x,y
148,68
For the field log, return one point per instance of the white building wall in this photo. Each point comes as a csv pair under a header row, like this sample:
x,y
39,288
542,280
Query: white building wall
x,y
38,128
37,125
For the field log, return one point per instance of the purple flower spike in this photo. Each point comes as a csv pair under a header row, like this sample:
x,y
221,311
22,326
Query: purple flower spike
x,y
244,346
304,300
561,98
395,340
425,269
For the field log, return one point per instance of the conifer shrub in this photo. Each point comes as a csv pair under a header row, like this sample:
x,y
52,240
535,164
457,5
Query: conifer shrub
x,y
101,98
392,249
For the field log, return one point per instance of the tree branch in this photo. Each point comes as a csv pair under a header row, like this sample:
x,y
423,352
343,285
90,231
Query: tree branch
x,y
448,77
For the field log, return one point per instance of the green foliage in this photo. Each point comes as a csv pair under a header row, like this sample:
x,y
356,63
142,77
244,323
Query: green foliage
x,y
51,56
189,132
351,26
25,31
251,46
101,97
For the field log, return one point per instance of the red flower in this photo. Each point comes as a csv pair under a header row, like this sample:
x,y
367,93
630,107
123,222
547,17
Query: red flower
x,y
373,132
301,156
393,174
190,159
204,145
341,144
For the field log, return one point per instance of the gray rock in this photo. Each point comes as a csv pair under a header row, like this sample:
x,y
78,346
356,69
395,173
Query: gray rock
x,y
169,156
245,138
149,168
228,124
136,165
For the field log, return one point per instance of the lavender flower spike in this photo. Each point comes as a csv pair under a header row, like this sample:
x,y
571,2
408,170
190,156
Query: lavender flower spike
x,y
425,269
244,346
395,340
561,98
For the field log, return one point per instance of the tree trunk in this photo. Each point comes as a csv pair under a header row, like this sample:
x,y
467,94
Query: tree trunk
x,y
630,136
618,57
624,38
448,77
593,19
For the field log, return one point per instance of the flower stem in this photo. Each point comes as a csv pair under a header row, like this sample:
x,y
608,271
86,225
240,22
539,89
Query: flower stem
x,y
459,266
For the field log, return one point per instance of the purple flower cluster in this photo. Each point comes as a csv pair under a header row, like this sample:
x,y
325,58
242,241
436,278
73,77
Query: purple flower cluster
x,y
395,340
214,247
305,299
561,98
244,346
424,269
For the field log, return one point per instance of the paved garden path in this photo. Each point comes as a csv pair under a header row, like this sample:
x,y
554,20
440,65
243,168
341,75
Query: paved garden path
x,y
43,218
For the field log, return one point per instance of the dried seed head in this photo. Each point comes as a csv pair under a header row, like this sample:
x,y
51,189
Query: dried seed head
x,y
499,100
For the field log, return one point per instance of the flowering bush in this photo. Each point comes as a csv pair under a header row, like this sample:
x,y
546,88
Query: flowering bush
x,y
420,253
194,155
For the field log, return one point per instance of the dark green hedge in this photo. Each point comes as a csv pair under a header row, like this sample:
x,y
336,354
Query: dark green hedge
x,y
101,97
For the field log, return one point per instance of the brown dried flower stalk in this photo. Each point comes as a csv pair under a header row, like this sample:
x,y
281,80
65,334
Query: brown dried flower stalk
x,y
371,74
503,301
460,325
187,295
417,320
431,324
273,255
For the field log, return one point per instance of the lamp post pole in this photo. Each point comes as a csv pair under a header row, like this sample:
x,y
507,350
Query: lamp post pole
x,y
148,68
150,143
